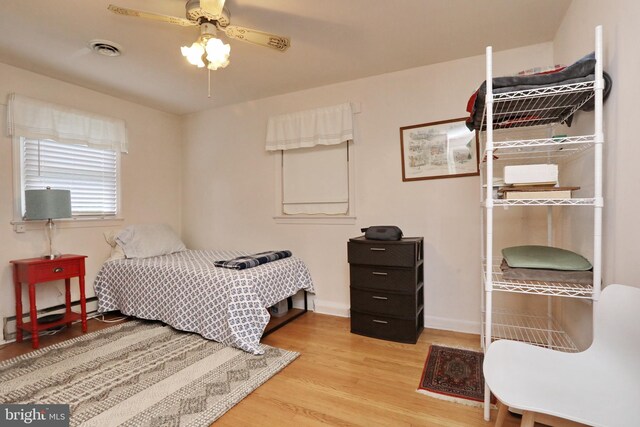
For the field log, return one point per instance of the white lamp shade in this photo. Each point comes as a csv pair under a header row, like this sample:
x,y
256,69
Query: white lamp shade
x,y
47,204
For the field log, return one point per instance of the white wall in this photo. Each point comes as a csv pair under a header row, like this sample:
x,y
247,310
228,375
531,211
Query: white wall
x,y
621,233
228,182
150,181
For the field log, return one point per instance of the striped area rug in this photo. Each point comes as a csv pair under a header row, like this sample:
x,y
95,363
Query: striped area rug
x,y
139,374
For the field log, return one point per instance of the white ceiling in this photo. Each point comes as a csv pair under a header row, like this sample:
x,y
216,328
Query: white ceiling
x,y
331,41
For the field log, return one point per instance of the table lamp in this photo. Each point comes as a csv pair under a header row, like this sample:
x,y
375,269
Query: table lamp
x,y
47,204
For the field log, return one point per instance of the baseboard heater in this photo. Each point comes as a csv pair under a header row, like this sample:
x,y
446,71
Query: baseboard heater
x,y
9,323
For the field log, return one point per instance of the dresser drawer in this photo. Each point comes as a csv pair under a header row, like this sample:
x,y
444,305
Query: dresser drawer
x,y
396,305
386,328
396,254
384,278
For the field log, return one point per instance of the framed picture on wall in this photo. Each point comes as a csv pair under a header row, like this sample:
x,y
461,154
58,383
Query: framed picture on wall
x,y
444,149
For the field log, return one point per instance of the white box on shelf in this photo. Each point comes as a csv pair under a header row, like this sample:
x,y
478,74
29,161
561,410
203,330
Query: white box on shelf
x,y
531,174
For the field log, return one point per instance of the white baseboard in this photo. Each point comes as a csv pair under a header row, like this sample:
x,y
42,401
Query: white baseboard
x,y
444,323
449,324
332,308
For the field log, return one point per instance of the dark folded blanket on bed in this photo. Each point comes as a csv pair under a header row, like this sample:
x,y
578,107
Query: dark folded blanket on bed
x,y
542,275
248,261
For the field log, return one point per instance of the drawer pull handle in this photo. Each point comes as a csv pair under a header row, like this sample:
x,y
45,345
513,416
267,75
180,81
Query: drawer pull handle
x,y
58,270
384,322
378,249
380,298
378,273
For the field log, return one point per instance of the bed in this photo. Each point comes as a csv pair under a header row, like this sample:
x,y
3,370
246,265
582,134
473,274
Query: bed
x,y
185,290
549,106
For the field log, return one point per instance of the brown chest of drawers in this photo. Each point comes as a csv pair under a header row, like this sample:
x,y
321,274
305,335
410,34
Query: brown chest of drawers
x,y
387,288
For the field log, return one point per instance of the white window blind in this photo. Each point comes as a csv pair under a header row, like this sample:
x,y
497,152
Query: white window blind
x,y
315,159
316,180
89,173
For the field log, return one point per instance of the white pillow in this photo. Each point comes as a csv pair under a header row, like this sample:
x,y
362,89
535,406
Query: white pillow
x,y
116,250
147,240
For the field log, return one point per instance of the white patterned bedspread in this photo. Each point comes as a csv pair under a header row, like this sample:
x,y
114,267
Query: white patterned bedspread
x,y
185,290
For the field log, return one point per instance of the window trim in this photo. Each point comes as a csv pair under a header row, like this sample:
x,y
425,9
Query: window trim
x,y
21,225
347,219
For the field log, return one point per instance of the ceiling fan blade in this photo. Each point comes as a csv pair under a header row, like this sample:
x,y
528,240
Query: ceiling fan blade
x,y
257,37
149,15
213,7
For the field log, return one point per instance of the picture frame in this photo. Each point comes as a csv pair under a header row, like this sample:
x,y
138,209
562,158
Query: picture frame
x,y
443,149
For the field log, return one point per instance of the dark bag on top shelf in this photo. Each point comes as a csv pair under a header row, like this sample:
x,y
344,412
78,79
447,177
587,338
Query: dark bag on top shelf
x,y
382,232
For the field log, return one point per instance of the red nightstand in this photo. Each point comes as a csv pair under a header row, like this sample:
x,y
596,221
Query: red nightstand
x,y
33,271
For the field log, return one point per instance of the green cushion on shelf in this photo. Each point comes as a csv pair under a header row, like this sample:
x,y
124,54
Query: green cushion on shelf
x,y
546,257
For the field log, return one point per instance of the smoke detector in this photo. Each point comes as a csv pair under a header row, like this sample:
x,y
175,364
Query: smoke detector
x,y
105,47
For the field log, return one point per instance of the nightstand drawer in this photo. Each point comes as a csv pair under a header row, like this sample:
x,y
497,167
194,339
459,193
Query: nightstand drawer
x,y
397,305
384,278
386,328
398,254
55,270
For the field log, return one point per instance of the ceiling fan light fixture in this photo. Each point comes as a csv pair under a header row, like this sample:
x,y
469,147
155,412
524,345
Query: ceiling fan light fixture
x,y
217,53
208,51
194,54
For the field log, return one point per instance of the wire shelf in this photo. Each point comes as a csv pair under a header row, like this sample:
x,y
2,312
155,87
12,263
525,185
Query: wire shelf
x,y
499,283
540,330
533,107
537,150
545,202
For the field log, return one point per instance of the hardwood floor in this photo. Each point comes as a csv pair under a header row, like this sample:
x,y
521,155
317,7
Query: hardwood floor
x,y
343,379
14,349
340,379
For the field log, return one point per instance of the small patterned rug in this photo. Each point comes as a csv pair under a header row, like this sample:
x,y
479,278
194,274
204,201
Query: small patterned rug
x,y
139,374
453,374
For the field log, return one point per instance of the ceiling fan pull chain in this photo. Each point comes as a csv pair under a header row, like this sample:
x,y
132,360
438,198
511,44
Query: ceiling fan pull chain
x,y
209,82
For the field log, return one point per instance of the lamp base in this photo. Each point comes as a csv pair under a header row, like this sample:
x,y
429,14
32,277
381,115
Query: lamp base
x,y
50,230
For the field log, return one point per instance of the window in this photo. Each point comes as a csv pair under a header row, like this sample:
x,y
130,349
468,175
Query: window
x,y
91,174
315,180
314,172
64,148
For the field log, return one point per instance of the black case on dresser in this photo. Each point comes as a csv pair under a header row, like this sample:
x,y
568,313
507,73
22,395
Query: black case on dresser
x,y
387,288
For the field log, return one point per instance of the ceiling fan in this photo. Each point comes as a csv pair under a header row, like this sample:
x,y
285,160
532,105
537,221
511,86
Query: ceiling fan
x,y
211,15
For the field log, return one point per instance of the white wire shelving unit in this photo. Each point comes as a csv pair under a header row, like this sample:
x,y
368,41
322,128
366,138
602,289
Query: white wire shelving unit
x,y
536,329
537,287
545,202
536,150
539,107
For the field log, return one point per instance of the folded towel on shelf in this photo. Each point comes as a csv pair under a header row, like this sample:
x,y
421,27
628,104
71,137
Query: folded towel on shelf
x,y
544,275
248,261
546,257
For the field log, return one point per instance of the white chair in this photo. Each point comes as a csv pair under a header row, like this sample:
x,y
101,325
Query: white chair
x,y
599,386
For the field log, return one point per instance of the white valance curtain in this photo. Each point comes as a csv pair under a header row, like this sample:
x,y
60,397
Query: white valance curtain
x,y
32,118
303,129
315,172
